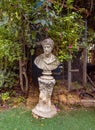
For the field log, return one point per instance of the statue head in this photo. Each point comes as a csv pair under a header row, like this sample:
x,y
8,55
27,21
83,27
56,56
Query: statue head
x,y
47,45
48,41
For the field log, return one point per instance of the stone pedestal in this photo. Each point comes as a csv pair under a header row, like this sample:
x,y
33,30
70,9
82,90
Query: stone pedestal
x,y
44,108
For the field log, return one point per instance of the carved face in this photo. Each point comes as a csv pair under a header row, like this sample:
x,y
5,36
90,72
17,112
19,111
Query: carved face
x,y
47,49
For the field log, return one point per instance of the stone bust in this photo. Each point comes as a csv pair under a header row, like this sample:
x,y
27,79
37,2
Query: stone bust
x,y
47,61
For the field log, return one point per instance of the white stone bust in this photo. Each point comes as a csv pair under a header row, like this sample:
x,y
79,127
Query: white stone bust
x,y
47,61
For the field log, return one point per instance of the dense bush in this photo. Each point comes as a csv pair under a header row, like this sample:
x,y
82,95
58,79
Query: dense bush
x,y
23,23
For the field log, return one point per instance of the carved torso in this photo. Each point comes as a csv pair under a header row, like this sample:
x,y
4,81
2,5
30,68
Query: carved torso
x,y
46,63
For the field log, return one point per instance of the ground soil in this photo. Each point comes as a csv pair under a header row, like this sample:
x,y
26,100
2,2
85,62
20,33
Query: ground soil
x,y
61,97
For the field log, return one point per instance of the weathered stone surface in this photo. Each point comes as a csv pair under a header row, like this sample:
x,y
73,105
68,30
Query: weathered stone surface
x,y
44,108
47,62
45,111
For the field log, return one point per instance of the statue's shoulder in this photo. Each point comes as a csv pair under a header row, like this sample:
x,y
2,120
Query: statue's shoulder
x,y
38,59
40,56
54,57
55,60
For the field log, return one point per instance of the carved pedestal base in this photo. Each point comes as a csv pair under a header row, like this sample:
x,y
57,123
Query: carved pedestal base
x,y
44,108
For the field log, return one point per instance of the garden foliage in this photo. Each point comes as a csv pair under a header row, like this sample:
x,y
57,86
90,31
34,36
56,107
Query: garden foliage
x,y
23,23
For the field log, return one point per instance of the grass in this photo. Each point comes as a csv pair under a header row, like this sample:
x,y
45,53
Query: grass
x,y
21,119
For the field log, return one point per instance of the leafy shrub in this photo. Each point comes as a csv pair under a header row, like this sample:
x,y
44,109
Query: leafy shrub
x,y
7,78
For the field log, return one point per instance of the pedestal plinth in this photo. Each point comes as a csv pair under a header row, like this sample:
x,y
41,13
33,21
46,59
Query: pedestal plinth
x,y
44,108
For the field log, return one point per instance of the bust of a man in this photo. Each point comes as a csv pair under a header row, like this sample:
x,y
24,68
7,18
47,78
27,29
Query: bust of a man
x,y
47,61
